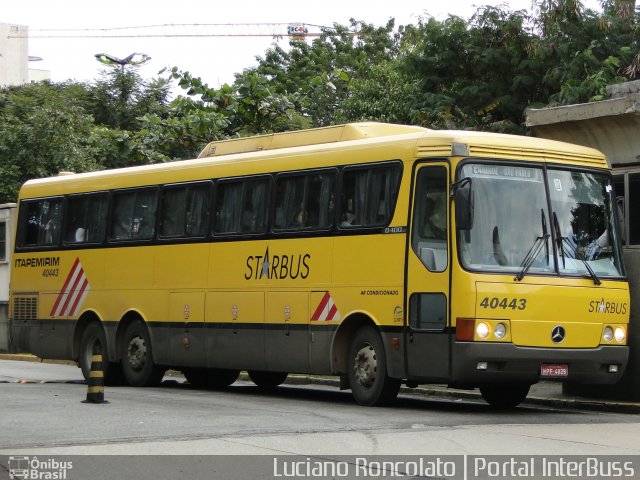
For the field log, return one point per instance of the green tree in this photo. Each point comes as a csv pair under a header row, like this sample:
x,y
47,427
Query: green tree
x,y
320,73
583,50
121,96
249,106
384,95
42,132
472,74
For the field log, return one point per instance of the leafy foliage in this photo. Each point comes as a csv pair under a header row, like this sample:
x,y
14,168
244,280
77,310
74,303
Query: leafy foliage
x,y
42,133
585,51
320,73
479,73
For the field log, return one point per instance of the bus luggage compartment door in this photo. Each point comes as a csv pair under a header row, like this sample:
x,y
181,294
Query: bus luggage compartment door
x,y
287,332
235,330
186,337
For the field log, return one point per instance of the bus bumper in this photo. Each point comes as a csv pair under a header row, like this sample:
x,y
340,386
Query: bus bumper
x,y
477,363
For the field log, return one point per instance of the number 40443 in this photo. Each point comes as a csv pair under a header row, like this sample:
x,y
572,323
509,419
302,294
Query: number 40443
x,y
504,303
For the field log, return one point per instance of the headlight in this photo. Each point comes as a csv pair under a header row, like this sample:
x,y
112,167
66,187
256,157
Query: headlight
x,y
500,331
607,335
482,330
620,334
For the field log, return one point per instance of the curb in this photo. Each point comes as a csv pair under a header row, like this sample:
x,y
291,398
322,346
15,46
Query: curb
x,y
26,357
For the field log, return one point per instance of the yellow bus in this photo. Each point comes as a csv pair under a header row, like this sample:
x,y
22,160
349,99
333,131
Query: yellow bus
x,y
382,254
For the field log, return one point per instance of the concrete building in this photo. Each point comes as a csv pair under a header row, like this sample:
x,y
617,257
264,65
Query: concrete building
x,y
612,126
14,57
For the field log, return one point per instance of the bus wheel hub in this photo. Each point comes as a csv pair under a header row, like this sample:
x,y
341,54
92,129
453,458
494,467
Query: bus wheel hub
x,y
136,353
366,366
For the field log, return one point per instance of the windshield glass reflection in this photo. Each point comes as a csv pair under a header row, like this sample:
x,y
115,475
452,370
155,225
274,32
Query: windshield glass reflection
x,y
511,220
584,223
514,231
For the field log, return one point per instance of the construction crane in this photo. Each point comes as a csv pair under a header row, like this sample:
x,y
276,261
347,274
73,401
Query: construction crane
x,y
278,31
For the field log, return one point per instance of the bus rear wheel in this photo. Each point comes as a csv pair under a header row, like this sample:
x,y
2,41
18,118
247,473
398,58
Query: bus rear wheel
x,y
368,379
267,379
137,357
210,377
92,335
505,397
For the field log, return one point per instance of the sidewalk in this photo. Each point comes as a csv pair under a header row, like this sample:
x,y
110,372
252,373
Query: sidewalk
x,y
543,393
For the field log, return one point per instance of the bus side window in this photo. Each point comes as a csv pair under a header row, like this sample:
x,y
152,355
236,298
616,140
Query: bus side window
x,y
145,215
227,204
429,230
304,201
319,205
172,217
41,222
633,212
196,210
85,220
3,241
255,206
134,215
289,202
242,206
368,196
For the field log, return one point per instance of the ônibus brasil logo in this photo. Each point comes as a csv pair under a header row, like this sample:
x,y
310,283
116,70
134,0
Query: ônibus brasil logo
x,y
27,468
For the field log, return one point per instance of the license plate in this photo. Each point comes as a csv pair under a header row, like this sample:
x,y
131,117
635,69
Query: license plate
x,y
554,371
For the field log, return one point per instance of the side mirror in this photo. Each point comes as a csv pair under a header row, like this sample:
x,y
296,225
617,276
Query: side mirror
x,y
622,231
463,197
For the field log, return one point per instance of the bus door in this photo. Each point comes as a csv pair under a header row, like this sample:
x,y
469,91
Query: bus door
x,y
428,267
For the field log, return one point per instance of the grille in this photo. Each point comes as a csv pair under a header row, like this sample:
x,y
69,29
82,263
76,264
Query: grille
x,y
434,150
518,153
25,307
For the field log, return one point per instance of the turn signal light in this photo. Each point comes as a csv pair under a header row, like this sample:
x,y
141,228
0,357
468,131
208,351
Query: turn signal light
x,y
465,329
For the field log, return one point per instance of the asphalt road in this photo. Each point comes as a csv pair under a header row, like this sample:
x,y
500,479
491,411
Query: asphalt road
x,y
311,420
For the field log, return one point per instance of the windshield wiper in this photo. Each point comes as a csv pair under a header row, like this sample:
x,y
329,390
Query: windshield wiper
x,y
533,252
531,255
559,239
562,241
594,276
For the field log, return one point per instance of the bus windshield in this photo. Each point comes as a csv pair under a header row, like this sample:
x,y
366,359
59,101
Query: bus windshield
x,y
514,231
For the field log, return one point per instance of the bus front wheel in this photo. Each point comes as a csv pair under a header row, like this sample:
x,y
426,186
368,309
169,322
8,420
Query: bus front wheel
x,y
368,379
505,397
94,335
137,357
267,379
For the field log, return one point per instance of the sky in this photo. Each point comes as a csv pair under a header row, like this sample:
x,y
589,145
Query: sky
x,y
214,59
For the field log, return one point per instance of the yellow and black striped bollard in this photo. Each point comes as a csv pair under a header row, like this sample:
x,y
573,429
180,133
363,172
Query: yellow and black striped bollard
x,y
95,385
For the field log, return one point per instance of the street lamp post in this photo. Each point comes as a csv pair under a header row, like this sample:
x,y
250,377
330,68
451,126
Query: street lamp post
x,y
133,59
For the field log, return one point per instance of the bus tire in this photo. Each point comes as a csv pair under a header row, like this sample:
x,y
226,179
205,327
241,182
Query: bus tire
x,y
210,377
137,357
112,371
267,379
505,397
368,379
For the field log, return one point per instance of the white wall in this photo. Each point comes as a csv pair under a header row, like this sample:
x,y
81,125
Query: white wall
x,y
7,214
14,55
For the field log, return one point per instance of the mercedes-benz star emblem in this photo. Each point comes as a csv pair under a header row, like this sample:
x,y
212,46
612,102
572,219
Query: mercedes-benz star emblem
x,y
557,334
